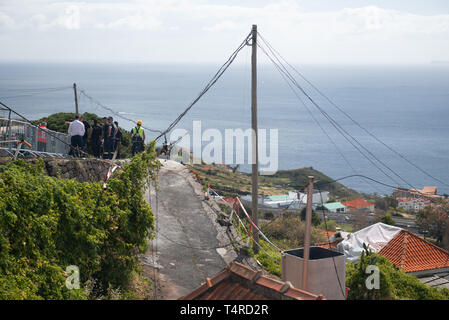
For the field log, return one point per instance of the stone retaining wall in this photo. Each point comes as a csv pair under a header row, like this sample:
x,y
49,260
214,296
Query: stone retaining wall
x,y
83,170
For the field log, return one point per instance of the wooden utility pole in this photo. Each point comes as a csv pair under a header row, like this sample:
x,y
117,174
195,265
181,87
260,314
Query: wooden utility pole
x,y
76,98
255,149
307,233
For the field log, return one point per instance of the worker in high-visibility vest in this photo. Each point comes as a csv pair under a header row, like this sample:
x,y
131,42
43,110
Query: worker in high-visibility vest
x,y
42,137
137,138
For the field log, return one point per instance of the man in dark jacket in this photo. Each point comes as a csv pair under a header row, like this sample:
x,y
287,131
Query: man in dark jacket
x,y
118,139
95,139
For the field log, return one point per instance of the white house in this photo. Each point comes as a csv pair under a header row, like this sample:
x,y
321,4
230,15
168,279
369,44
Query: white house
x,y
413,204
290,200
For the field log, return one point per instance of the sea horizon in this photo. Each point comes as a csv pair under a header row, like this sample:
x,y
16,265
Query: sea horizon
x,y
406,106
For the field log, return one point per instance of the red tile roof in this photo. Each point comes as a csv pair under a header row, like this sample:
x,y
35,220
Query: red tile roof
x,y
412,253
239,282
327,233
356,203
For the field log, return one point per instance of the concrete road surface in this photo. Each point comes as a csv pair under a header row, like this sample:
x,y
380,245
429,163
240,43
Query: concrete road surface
x,y
189,245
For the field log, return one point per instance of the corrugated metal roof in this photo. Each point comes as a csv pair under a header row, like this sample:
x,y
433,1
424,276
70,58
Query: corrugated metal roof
x,y
281,197
239,282
334,206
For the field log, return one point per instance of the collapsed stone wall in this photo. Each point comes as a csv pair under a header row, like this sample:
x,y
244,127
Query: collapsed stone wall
x,y
83,170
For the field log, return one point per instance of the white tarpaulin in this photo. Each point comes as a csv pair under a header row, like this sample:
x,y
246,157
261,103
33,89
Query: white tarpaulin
x,y
375,237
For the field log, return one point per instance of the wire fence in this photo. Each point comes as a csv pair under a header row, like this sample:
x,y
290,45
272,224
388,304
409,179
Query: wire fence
x,y
37,141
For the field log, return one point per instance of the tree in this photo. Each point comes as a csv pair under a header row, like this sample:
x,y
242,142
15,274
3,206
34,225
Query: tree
x,y
48,223
315,219
360,220
434,220
59,122
446,238
387,219
394,284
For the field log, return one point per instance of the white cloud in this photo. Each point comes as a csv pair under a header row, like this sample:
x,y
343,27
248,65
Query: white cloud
x,y
6,22
356,35
226,25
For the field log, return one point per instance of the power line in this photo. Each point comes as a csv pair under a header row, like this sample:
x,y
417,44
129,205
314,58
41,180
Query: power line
x,y
96,102
322,128
328,240
46,131
37,92
343,132
214,79
366,177
334,122
285,74
374,180
349,116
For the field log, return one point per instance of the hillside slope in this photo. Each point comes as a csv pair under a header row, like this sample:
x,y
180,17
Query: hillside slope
x,y
230,182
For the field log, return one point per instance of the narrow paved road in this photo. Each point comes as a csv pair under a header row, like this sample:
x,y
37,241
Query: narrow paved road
x,y
186,249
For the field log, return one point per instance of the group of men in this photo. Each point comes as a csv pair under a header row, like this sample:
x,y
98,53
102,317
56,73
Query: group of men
x,y
104,140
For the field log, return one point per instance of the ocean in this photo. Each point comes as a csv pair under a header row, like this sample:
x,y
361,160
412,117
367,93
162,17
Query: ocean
x,y
405,106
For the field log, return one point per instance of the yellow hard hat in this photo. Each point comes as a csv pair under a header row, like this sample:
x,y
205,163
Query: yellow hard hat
x,y
139,122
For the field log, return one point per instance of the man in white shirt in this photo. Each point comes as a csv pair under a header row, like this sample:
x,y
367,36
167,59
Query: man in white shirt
x,y
76,133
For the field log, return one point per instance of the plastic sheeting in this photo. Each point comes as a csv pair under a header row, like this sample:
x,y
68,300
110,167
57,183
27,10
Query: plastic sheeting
x,y
375,237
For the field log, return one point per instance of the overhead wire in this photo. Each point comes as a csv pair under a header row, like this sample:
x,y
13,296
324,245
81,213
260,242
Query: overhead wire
x,y
213,80
322,128
46,131
328,240
349,116
98,103
37,92
336,125
284,76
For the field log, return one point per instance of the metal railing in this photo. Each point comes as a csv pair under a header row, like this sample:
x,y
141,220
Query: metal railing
x,y
50,144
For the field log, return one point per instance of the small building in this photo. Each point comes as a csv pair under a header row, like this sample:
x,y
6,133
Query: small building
x,y
418,257
239,282
407,251
428,192
358,204
290,200
335,207
413,204
318,198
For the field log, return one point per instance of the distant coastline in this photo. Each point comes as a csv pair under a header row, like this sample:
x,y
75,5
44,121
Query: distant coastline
x,y
439,62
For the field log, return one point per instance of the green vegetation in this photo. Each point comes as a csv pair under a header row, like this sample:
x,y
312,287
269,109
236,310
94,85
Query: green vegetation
x,y
289,231
435,220
387,219
330,225
315,219
48,224
394,284
229,182
298,178
59,122
384,203
286,233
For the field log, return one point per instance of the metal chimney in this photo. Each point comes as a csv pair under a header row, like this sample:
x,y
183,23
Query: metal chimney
x,y
325,271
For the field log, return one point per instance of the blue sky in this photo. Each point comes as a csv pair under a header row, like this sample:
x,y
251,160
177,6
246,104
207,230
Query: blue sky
x,y
305,31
